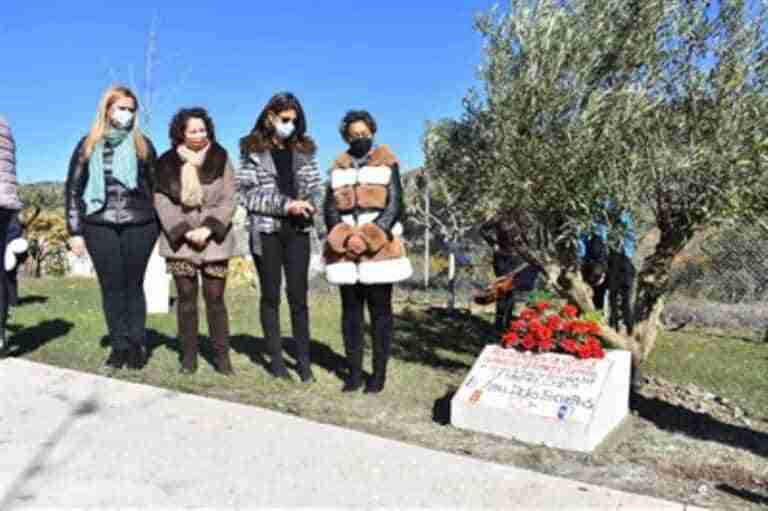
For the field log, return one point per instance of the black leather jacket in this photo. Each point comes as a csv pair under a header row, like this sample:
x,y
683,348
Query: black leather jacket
x,y
122,207
387,218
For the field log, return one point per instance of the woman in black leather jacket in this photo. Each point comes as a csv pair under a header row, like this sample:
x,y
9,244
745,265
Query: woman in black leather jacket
x,y
110,211
364,253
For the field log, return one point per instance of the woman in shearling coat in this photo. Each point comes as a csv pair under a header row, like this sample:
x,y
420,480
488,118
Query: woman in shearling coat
x,y
195,200
364,253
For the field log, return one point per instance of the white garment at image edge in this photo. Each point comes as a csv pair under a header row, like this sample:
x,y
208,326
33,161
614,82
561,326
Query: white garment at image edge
x,y
14,248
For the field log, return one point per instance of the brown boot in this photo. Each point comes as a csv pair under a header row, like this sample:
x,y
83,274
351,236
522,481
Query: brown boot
x,y
190,346
189,361
187,320
224,364
218,323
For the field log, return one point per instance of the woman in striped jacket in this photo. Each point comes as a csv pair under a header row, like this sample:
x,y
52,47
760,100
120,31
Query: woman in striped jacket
x,y
279,185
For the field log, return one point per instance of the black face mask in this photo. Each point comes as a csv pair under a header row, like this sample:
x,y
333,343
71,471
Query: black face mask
x,y
360,147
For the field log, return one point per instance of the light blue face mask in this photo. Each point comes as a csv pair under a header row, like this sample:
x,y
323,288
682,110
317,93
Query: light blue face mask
x,y
284,129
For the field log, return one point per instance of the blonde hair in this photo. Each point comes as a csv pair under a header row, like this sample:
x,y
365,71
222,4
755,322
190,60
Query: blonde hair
x,y
101,123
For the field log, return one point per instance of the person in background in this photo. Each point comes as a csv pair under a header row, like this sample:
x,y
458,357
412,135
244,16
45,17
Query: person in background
x,y
10,205
498,234
610,269
279,186
364,253
15,255
110,213
195,200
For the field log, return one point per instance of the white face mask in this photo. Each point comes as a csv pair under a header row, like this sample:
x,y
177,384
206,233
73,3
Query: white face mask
x,y
284,129
122,118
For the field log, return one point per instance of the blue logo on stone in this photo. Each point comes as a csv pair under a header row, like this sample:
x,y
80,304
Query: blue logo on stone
x,y
562,413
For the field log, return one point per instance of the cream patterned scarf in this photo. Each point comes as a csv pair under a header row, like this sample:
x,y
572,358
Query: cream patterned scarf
x,y
191,190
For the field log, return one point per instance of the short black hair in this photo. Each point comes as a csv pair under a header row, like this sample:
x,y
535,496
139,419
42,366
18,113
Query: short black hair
x,y
354,116
180,120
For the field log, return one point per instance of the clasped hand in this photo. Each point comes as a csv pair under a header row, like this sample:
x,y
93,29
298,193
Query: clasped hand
x,y
301,208
198,237
356,245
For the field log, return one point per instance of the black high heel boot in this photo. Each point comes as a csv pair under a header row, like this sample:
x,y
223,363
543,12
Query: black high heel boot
x,y
117,359
137,357
276,362
303,361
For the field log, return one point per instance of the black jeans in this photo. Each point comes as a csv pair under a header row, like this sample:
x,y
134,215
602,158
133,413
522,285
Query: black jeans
x,y
12,282
618,283
379,300
286,250
120,255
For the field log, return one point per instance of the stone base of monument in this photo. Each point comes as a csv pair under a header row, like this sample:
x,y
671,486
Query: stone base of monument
x,y
550,399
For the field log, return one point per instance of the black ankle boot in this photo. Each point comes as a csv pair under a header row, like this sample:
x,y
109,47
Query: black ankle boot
x,y
137,357
374,384
352,386
117,359
305,371
277,367
353,383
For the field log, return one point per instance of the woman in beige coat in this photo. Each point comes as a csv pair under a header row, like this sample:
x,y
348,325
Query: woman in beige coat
x,y
195,200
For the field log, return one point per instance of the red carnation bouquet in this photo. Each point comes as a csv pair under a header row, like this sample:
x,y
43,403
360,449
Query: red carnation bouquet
x,y
538,329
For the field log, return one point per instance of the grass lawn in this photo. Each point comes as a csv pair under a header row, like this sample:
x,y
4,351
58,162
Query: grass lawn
x,y
730,364
61,323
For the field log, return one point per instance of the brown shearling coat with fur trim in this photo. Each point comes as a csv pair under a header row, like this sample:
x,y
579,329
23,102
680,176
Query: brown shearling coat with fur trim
x,y
364,198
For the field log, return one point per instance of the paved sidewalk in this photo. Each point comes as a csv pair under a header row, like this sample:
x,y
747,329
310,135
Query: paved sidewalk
x,y
69,439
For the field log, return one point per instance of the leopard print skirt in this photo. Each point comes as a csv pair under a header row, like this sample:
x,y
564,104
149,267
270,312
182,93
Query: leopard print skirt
x,y
179,268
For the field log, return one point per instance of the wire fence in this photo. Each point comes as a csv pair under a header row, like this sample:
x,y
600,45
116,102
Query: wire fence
x,y
728,266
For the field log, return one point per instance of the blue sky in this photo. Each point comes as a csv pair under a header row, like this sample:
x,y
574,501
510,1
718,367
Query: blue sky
x,y
405,61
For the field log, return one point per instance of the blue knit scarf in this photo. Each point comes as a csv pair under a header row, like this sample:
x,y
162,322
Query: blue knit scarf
x,y
124,168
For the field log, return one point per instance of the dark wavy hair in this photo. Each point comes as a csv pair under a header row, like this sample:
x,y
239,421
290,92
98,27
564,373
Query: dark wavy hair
x,y
354,116
179,124
260,137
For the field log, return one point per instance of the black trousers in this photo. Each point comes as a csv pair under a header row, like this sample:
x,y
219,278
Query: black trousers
x,y
618,284
12,283
5,219
120,255
378,297
285,251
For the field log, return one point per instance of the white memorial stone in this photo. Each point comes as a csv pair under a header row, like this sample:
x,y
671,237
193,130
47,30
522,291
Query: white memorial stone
x,y
157,284
544,398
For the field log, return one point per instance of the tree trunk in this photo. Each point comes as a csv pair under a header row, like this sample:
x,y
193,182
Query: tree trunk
x,y
451,281
427,221
653,284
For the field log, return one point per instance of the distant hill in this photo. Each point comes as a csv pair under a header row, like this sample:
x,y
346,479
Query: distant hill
x,y
49,194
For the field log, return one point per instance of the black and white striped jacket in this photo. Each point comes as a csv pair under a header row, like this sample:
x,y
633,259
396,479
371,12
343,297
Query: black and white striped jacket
x,y
256,182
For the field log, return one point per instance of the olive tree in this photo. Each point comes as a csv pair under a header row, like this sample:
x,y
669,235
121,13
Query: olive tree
x,y
656,104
